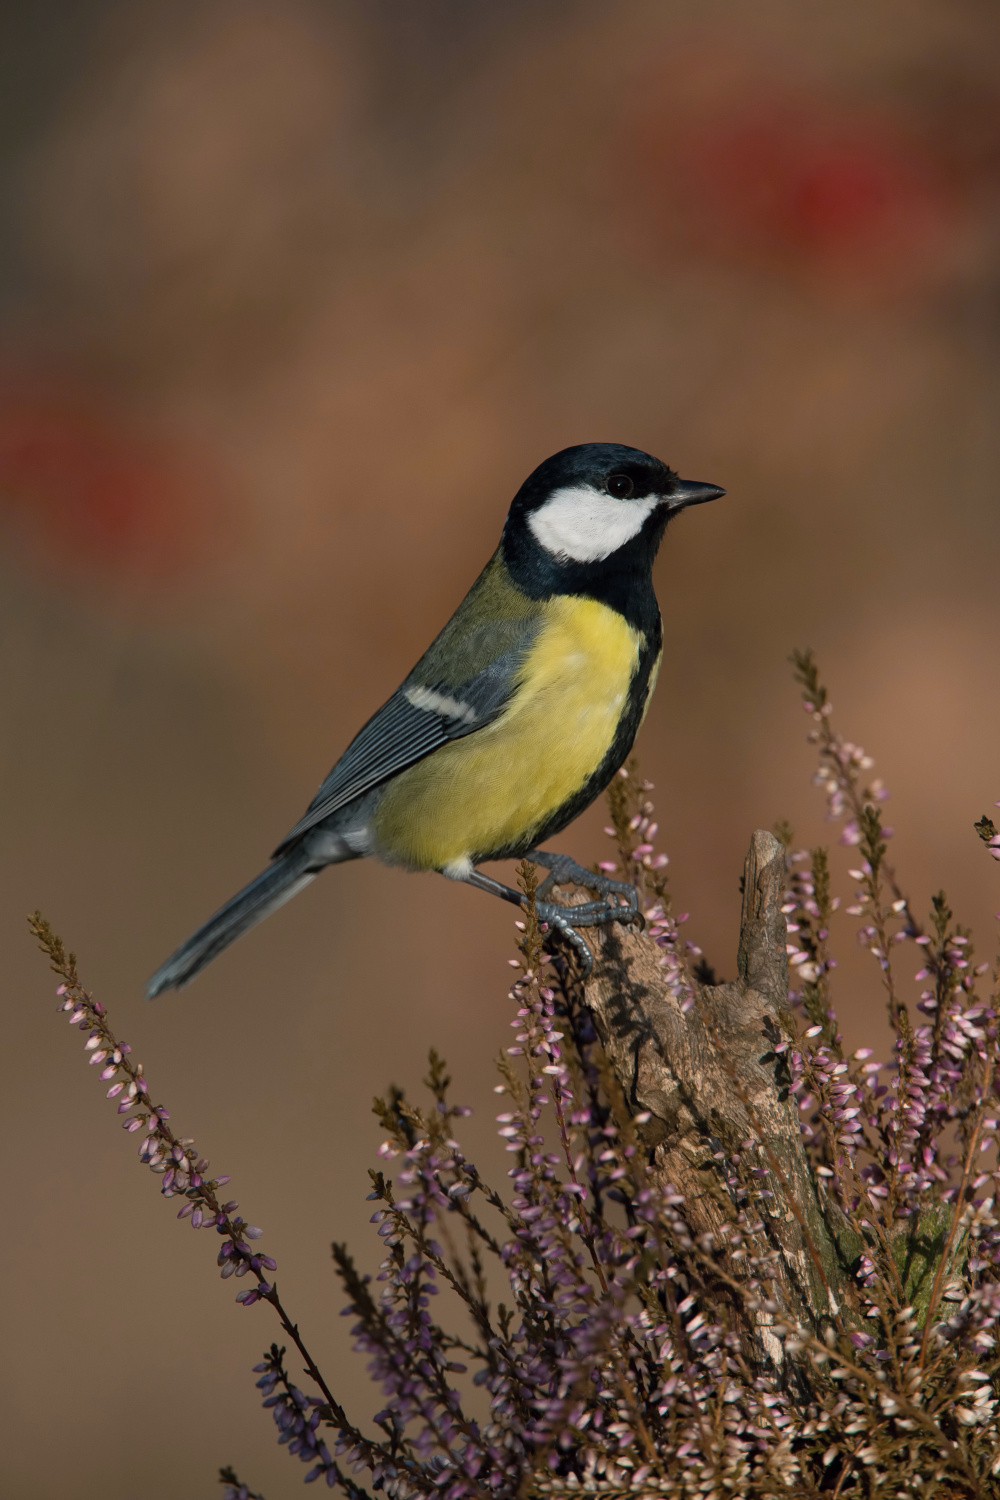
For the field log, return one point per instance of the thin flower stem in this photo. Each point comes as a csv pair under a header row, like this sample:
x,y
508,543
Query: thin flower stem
x,y
203,1190
336,1416
945,1262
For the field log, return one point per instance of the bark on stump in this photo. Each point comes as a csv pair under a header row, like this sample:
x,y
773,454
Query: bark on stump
x,y
710,1079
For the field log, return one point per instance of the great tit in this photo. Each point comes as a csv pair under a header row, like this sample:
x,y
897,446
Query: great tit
x,y
516,717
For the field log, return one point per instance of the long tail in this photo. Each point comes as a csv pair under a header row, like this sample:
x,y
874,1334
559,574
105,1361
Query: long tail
x,y
272,888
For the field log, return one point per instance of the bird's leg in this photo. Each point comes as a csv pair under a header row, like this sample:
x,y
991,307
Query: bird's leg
x,y
566,919
555,916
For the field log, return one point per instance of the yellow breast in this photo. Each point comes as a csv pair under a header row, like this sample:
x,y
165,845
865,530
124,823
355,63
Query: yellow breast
x,y
496,786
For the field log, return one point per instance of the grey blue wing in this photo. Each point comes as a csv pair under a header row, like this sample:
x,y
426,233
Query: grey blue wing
x,y
418,719
461,683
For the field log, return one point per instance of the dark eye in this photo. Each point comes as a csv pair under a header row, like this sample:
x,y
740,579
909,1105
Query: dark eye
x,y
620,485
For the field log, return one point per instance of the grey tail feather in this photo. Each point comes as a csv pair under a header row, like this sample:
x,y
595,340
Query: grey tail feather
x,y
272,888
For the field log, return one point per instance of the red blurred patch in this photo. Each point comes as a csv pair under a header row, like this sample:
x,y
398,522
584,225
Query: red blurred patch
x,y
91,493
798,184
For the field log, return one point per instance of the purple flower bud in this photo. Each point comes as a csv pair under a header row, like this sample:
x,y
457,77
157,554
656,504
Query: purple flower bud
x,y
252,1232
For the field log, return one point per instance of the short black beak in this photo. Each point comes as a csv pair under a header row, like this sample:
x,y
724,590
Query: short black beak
x,y
687,492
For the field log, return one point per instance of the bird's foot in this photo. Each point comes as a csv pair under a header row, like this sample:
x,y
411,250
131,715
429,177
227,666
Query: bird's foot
x,y
618,901
557,919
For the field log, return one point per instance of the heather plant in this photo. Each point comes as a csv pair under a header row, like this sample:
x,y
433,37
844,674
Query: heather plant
x,y
733,1260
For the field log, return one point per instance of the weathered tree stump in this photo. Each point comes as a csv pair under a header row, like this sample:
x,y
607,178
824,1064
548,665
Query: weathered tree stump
x,y
711,1080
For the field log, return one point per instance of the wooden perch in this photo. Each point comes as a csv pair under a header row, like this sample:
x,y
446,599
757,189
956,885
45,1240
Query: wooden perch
x,y
711,1080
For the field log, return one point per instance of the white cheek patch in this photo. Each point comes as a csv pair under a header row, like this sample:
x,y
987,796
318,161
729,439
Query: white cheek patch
x,y
581,524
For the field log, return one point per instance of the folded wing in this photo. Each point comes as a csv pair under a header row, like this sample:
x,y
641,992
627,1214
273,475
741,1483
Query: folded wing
x,y
418,719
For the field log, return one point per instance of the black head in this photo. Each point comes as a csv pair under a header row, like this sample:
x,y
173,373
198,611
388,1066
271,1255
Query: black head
x,y
590,518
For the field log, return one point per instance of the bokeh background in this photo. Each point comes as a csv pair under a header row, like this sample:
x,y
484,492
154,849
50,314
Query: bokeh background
x,y
292,297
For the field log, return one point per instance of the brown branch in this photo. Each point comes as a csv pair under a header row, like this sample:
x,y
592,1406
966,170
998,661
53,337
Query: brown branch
x,y
712,1082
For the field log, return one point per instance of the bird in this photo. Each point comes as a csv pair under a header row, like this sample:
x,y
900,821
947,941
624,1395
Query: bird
x,y
516,717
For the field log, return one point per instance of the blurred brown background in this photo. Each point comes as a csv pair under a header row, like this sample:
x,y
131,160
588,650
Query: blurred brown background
x,y
292,298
